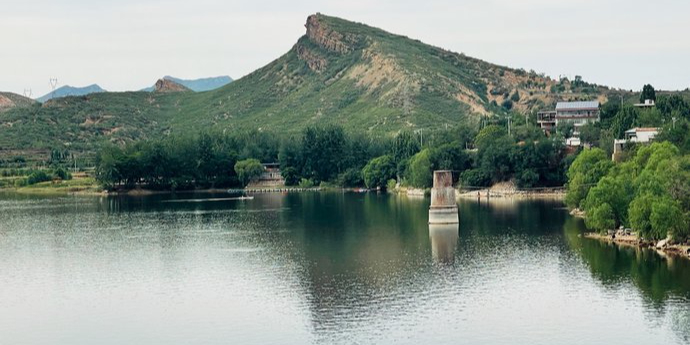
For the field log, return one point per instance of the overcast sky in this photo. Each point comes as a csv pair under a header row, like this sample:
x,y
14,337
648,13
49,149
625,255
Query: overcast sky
x,y
128,44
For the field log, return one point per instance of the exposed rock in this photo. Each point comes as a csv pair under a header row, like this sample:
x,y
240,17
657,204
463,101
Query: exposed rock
x,y
662,243
322,35
314,61
165,85
5,102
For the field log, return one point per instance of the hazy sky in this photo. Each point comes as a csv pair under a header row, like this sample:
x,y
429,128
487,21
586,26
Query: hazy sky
x,y
128,44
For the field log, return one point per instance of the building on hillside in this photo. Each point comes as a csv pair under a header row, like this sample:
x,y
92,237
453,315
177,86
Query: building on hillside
x,y
648,103
639,135
271,177
576,113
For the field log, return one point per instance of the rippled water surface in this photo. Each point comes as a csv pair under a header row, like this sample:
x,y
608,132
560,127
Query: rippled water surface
x,y
325,268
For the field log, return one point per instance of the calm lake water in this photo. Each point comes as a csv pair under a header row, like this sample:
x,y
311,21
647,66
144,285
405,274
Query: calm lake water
x,y
324,268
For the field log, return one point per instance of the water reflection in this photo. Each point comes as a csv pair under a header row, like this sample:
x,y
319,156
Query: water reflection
x,y
324,268
444,242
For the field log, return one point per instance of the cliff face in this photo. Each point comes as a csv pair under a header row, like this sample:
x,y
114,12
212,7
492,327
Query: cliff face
x,y
319,33
165,85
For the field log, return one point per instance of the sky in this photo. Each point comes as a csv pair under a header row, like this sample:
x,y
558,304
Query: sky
x,y
129,44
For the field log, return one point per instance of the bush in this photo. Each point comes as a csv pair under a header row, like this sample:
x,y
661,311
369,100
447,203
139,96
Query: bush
x,y
391,184
507,104
351,178
306,183
527,178
62,174
475,178
37,177
515,96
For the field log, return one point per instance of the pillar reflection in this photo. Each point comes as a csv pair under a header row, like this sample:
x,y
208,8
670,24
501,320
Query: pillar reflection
x,y
444,241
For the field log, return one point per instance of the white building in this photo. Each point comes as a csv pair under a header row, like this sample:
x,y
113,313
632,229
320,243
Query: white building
x,y
577,113
641,135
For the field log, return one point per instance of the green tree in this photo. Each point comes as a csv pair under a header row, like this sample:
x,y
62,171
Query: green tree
x,y
648,92
248,170
585,172
667,218
601,217
419,172
378,171
291,176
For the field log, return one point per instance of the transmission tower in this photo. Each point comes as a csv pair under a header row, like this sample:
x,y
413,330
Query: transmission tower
x,y
28,93
53,85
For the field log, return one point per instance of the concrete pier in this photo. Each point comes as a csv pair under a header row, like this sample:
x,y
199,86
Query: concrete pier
x,y
444,207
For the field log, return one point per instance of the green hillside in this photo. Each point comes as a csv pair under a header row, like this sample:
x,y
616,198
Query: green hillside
x,y
10,100
339,72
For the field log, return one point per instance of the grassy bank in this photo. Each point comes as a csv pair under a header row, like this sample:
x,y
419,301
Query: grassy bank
x,y
85,185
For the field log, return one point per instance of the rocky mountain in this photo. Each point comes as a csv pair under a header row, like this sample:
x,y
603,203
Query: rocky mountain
x,y
70,91
166,85
339,72
198,85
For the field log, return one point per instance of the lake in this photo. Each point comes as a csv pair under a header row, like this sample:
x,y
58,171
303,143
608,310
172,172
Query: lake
x,y
324,268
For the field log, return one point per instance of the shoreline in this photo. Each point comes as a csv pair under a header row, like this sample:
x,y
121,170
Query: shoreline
x,y
508,194
661,247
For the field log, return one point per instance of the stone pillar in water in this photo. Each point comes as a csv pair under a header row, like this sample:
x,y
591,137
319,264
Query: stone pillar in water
x,y
444,208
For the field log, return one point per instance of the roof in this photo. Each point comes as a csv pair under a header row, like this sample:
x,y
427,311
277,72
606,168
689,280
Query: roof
x,y
577,105
642,129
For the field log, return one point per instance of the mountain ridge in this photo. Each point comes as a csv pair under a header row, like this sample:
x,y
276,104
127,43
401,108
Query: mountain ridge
x,y
68,90
197,85
339,72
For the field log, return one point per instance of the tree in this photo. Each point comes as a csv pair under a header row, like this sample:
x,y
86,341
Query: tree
x,y
291,176
586,171
487,134
600,217
405,145
419,172
667,218
648,92
248,170
378,171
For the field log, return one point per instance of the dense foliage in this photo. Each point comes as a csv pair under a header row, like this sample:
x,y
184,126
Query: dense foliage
x,y
650,192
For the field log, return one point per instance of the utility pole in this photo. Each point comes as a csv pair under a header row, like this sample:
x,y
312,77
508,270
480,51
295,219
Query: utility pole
x,y
53,85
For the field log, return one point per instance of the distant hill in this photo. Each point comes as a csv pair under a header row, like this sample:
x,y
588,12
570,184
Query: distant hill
x,y
339,72
197,85
10,100
70,91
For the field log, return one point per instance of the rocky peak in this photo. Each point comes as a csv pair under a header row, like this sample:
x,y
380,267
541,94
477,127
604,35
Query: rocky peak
x,y
165,85
319,33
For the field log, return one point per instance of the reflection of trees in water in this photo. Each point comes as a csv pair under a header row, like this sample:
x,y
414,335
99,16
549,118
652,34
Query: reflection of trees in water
x,y
658,278
364,252
501,216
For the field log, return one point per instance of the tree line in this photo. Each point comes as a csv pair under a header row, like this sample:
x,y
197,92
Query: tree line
x,y
650,192
328,155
